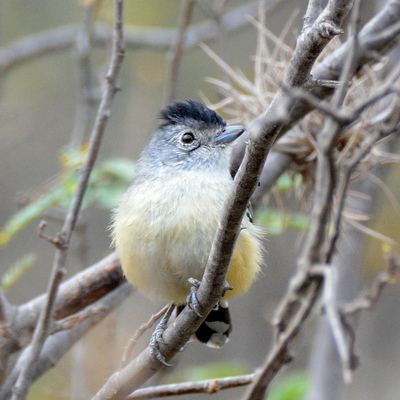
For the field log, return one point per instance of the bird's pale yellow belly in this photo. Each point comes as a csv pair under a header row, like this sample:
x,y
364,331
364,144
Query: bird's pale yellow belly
x,y
167,242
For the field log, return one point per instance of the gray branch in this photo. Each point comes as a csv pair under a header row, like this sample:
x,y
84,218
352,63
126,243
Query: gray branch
x,y
263,132
376,39
57,344
64,38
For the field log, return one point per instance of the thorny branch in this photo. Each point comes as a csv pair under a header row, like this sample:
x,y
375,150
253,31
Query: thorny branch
x,y
319,247
304,290
263,133
384,26
279,355
43,327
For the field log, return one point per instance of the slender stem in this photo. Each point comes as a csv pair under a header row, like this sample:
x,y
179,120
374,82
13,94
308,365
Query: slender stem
x,y
43,327
177,51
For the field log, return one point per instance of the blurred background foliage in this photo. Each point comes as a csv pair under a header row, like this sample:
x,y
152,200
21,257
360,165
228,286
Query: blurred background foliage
x,y
38,105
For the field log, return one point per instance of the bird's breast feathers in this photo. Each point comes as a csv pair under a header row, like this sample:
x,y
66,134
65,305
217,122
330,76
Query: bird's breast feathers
x,y
163,234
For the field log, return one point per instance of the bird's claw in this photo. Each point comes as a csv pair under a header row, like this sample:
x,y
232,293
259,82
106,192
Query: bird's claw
x,y
191,299
157,338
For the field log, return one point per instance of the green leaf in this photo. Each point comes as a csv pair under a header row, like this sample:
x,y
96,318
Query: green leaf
x,y
107,183
32,211
289,181
17,270
208,371
121,169
276,222
107,197
294,387
215,370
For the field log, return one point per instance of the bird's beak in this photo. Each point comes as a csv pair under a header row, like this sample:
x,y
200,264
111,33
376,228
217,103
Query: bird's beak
x,y
229,134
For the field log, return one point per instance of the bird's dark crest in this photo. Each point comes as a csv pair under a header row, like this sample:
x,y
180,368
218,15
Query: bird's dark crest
x,y
184,111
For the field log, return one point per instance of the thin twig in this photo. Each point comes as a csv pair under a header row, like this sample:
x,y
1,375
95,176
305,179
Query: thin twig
x,y
209,386
325,107
43,327
138,334
85,90
177,51
333,316
371,296
4,307
346,170
25,376
278,356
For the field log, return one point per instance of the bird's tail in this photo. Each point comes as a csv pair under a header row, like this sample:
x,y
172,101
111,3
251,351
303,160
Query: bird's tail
x,y
215,330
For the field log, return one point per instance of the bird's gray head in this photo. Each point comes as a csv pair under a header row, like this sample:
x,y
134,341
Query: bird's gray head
x,y
191,137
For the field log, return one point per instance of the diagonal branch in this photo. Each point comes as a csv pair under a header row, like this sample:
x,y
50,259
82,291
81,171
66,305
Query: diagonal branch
x,y
209,386
263,132
305,287
57,344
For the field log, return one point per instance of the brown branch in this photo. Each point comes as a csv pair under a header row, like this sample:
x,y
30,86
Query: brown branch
x,y
326,176
278,356
74,295
42,330
371,296
322,205
25,374
77,293
314,249
57,344
209,386
377,37
305,287
263,132
337,316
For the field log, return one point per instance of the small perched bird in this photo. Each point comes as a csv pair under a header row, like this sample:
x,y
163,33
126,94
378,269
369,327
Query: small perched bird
x,y
165,223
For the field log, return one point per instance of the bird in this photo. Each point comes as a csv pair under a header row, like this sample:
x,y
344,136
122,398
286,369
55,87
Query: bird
x,y
165,223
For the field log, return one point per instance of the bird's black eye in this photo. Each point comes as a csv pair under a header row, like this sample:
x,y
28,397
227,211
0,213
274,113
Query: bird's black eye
x,y
187,138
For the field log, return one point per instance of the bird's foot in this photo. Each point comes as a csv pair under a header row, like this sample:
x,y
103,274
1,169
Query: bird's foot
x,y
157,337
191,299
